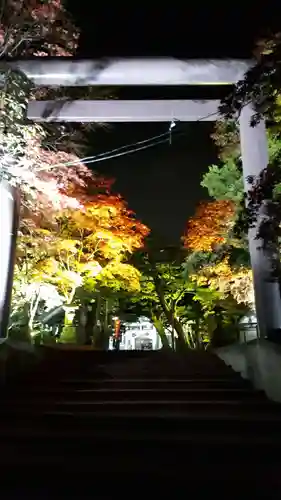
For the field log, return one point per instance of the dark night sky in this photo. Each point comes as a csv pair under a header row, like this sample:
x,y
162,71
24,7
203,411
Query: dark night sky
x,y
162,184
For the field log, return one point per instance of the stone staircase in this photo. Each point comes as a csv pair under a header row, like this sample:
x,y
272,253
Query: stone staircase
x,y
112,423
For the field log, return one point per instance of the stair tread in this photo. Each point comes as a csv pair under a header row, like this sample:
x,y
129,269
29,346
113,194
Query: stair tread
x,y
137,456
141,380
182,414
200,436
159,402
100,387
72,416
107,390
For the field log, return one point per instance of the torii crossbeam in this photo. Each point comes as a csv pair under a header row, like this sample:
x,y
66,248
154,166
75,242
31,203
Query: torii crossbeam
x,y
162,71
68,72
105,111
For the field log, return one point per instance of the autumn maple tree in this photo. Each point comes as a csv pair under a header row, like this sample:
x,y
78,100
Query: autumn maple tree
x,y
42,161
28,28
36,27
84,242
210,243
81,246
73,231
209,226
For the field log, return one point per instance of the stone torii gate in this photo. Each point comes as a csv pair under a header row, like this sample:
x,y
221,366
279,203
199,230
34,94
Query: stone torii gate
x,y
158,72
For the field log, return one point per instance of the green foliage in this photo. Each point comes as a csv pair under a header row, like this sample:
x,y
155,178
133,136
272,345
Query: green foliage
x,y
274,145
224,182
227,140
221,279
197,260
14,131
239,257
261,85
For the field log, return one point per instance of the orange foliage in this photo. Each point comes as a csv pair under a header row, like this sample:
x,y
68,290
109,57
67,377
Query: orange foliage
x,y
84,201
209,226
110,226
119,224
54,183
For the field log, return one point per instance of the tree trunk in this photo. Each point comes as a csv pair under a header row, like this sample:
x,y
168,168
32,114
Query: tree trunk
x,y
89,327
160,330
173,321
98,337
81,319
106,331
197,333
68,334
33,310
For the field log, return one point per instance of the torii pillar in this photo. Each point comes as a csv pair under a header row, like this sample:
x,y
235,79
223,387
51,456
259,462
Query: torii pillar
x,y
254,153
9,217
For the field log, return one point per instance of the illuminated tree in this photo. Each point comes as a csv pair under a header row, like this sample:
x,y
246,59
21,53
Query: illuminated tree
x,y
164,292
224,181
218,270
27,28
81,252
36,27
27,151
261,86
222,294
43,161
217,260
209,226
218,274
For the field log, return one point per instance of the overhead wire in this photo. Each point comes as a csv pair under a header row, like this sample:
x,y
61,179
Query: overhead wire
x,y
117,152
88,159
94,160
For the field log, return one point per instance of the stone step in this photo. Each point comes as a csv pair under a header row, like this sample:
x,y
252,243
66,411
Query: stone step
x,y
141,407
155,381
112,421
38,396
163,421
159,382
137,434
101,479
154,454
130,384
107,372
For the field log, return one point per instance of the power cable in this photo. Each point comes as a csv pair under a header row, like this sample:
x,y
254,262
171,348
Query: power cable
x,y
117,152
87,159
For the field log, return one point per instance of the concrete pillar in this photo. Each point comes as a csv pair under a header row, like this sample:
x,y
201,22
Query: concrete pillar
x,y
9,215
267,294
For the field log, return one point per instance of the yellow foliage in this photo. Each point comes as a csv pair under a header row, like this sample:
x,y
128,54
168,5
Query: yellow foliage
x,y
122,276
87,245
106,226
68,245
222,278
47,267
69,278
91,268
